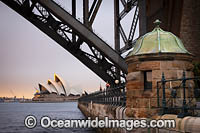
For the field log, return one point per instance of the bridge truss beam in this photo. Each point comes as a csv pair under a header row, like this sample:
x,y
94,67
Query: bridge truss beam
x,y
70,33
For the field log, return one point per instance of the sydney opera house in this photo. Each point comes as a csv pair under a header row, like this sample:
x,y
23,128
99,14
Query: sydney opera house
x,y
55,91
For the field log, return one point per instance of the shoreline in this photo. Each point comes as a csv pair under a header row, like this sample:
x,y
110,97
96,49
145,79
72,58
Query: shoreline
x,y
48,101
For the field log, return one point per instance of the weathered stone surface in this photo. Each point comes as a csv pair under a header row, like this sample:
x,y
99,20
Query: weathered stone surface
x,y
149,65
134,102
182,65
153,102
141,112
133,67
189,74
170,74
134,85
147,94
166,65
134,76
139,103
129,112
144,103
135,93
154,93
136,112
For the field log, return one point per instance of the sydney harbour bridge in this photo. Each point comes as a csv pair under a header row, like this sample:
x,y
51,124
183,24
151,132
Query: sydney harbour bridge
x,y
69,32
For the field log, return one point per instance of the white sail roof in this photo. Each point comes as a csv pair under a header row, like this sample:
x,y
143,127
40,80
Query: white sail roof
x,y
61,83
46,87
57,86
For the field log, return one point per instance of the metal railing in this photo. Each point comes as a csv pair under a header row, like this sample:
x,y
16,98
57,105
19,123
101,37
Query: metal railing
x,y
186,107
112,96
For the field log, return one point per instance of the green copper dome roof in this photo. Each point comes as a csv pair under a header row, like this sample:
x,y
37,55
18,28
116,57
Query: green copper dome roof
x,y
158,41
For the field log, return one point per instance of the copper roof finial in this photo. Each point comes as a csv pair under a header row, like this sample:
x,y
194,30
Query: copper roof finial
x,y
157,22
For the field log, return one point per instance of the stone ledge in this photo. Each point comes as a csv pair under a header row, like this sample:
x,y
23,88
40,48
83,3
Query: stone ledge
x,y
186,124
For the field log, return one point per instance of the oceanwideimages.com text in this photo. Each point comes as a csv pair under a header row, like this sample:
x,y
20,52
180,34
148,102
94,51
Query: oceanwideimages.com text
x,y
129,124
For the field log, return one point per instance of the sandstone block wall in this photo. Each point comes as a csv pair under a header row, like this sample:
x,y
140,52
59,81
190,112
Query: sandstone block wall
x,y
141,102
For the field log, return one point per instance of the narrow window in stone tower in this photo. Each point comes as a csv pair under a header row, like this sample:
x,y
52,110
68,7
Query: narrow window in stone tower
x,y
147,80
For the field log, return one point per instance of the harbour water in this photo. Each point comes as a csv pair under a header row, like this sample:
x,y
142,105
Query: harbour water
x,y
12,116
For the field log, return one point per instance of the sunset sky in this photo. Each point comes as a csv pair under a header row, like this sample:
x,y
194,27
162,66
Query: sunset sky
x,y
29,57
